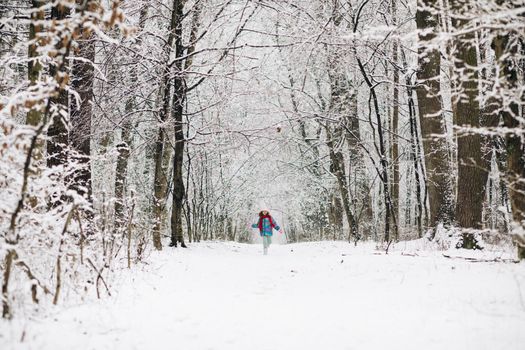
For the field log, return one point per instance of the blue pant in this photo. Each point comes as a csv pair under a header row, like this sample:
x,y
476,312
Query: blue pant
x,y
267,240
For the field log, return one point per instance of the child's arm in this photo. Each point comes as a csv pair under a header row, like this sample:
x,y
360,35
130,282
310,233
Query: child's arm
x,y
255,225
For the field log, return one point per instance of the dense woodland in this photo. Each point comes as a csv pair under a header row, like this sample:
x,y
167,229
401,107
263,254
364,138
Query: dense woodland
x,y
129,126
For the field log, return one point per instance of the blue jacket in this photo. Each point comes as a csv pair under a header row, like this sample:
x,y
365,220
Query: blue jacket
x,y
266,227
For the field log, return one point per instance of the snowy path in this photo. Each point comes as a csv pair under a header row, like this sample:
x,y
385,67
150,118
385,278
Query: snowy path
x,y
301,296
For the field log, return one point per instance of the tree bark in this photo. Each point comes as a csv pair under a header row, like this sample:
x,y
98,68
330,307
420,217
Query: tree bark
x,y
414,142
8,265
120,178
361,195
81,111
160,176
34,116
389,214
472,167
506,52
179,98
340,95
124,148
58,138
394,151
433,133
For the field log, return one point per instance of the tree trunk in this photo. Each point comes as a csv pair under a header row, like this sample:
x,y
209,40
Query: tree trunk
x,y
335,213
414,142
340,95
506,52
337,165
34,70
179,98
120,179
160,176
57,132
383,174
81,112
187,208
158,194
431,118
34,116
361,195
472,167
394,151
124,148
8,265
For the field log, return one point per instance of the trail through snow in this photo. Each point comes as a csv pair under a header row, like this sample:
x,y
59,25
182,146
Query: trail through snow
x,y
325,295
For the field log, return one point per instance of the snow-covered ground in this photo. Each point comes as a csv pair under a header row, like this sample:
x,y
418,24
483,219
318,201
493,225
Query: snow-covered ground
x,y
324,295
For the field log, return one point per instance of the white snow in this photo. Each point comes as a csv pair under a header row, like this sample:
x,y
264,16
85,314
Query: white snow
x,y
322,295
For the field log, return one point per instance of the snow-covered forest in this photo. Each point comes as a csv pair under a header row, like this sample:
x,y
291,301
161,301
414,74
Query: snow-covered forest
x,y
385,137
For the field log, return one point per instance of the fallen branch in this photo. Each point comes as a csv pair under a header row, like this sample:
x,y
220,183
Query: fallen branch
x,y
409,254
514,261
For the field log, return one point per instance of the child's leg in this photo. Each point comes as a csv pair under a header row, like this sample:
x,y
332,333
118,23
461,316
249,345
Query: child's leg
x,y
265,244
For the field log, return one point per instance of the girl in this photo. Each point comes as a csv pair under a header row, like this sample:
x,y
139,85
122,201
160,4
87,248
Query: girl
x,y
265,225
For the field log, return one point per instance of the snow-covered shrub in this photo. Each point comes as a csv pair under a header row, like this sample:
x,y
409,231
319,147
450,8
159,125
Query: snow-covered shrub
x,y
52,248
49,250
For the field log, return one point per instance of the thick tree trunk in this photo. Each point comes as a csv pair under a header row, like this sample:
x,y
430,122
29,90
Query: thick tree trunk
x,y
472,167
177,235
179,98
34,70
34,116
160,175
436,153
506,52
